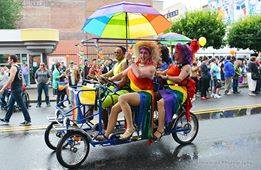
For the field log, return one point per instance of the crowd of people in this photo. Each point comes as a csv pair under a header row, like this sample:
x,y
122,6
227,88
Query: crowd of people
x,y
135,74
213,74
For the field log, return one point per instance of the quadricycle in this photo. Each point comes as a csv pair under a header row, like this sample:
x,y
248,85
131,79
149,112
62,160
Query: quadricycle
x,y
72,132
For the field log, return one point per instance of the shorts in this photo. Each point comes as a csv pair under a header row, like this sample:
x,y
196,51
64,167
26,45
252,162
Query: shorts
x,y
217,83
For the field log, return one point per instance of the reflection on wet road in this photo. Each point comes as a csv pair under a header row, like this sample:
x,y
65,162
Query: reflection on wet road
x,y
233,143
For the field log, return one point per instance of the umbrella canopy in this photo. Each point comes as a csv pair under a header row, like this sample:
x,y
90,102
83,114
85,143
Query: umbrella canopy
x,y
173,38
126,20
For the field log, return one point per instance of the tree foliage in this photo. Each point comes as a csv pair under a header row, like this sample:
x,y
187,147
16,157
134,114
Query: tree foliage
x,y
246,33
201,24
10,13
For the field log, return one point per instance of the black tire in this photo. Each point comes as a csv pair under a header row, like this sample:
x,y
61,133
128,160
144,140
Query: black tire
x,y
67,144
51,145
192,127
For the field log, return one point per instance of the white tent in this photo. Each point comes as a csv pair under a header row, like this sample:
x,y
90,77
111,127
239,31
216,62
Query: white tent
x,y
210,51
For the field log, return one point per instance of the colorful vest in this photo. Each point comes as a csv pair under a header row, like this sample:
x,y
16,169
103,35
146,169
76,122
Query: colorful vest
x,y
174,70
139,84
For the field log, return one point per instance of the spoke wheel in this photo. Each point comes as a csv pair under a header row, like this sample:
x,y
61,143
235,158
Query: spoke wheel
x,y
184,132
73,149
52,136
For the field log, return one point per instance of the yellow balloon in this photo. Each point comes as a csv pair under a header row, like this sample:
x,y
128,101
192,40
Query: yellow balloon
x,y
202,41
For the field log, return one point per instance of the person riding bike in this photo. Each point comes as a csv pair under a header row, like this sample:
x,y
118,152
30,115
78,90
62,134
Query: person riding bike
x,y
112,98
176,94
140,75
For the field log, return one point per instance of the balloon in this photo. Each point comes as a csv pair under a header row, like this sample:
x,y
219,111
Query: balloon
x,y
232,52
202,41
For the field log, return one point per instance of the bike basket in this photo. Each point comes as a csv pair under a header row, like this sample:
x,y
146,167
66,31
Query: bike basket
x,y
87,96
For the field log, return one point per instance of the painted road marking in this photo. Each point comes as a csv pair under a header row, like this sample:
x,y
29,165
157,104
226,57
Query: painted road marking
x,y
10,128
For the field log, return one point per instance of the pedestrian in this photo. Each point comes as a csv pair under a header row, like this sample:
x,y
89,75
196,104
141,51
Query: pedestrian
x,y
229,72
73,76
15,81
42,77
25,72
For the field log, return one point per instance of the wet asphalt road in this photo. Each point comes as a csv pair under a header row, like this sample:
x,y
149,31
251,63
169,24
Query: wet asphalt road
x,y
227,143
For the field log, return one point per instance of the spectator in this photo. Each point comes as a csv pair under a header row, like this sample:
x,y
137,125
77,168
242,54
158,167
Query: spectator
x,y
238,73
25,72
252,76
216,77
258,83
229,72
42,77
73,78
106,67
204,78
63,67
55,75
85,71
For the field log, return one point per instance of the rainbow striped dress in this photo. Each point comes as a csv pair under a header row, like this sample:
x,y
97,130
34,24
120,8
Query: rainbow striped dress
x,y
143,112
174,96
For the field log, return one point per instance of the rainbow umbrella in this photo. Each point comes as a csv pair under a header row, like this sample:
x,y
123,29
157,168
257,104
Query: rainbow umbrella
x,y
126,20
173,38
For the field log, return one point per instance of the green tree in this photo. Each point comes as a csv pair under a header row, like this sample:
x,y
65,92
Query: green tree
x,y
246,33
201,24
10,13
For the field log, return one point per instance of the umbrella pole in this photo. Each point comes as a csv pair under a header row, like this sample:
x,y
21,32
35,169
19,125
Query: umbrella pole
x,y
126,23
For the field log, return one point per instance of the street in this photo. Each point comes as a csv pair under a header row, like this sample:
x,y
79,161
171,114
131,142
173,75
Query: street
x,y
227,143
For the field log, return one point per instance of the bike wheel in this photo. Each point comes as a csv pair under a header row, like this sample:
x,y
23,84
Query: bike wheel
x,y
184,132
52,136
73,149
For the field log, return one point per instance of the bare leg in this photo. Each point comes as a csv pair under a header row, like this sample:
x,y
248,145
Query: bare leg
x,y
161,118
115,110
125,101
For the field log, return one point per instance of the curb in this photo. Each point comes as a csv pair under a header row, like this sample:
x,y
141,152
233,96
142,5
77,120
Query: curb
x,y
225,112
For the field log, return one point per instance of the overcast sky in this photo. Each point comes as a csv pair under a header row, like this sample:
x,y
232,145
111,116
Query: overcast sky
x,y
190,4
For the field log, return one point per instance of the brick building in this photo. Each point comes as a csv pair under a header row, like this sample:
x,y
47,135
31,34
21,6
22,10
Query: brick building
x,y
68,16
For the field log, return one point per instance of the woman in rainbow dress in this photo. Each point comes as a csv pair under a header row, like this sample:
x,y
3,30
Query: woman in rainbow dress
x,y
177,76
140,75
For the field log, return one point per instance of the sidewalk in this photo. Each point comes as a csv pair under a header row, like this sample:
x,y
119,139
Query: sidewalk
x,y
227,106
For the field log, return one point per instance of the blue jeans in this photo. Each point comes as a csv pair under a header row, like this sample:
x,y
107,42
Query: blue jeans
x,y
235,85
16,95
42,87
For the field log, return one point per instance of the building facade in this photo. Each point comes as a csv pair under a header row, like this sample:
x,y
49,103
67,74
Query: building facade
x,y
68,16
174,11
233,10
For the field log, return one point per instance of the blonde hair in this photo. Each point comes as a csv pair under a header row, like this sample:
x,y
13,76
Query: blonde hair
x,y
152,46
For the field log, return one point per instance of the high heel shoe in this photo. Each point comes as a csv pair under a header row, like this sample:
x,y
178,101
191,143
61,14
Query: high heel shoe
x,y
127,134
157,138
